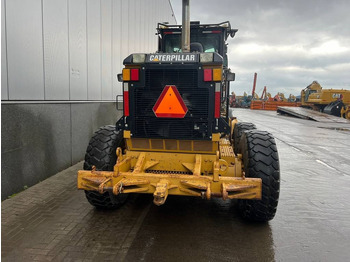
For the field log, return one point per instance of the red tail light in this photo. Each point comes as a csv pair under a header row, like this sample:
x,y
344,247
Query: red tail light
x,y
135,75
208,75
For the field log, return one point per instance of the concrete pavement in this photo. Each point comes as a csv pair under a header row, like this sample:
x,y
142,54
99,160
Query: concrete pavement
x,y
52,221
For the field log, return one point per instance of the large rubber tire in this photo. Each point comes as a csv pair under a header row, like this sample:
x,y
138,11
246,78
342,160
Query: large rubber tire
x,y
101,152
238,131
260,160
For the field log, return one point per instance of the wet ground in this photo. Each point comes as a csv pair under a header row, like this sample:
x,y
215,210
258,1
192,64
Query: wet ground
x,y
53,221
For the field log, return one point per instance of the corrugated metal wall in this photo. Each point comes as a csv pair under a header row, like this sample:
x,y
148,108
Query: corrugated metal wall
x,y
73,49
59,63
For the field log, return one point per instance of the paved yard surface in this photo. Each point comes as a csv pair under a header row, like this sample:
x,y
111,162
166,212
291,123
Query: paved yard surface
x,y
52,221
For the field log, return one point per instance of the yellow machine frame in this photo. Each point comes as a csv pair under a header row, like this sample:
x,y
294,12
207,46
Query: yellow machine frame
x,y
162,167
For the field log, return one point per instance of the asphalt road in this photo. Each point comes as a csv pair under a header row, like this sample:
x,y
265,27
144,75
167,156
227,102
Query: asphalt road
x,y
53,220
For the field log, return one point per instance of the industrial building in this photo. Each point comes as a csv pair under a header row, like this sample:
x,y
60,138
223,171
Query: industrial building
x,y
59,66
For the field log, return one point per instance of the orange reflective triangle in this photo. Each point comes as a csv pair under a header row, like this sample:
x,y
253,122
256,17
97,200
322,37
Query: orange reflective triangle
x,y
170,104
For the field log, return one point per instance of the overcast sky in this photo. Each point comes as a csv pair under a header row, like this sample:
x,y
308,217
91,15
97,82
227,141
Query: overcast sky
x,y
289,43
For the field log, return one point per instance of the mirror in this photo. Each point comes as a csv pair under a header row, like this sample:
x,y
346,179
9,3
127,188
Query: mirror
x,y
120,77
230,76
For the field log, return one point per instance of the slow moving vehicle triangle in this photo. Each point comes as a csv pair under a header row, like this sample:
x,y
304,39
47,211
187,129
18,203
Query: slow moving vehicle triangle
x,y
170,104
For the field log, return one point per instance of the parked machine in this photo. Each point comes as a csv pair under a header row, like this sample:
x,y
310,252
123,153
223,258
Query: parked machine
x,y
329,101
264,95
292,98
345,112
232,100
243,101
176,136
279,97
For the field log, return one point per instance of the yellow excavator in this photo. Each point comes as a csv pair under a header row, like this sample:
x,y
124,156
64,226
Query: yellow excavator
x,y
291,98
280,97
331,101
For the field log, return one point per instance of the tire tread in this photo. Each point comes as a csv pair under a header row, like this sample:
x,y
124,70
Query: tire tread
x,y
238,131
260,160
101,153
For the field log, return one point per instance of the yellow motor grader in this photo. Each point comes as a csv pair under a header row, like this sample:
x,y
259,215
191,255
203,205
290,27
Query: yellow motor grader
x,y
176,136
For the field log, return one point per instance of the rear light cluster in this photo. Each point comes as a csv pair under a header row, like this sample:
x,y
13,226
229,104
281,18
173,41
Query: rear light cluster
x,y
211,74
214,75
131,74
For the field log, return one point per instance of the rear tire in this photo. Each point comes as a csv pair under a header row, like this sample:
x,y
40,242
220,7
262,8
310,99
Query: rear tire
x,y
238,132
260,160
101,152
107,200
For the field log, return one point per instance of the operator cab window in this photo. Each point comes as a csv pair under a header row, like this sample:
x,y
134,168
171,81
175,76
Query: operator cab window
x,y
210,42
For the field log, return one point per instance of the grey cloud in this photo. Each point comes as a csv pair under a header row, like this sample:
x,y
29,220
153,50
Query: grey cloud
x,y
295,42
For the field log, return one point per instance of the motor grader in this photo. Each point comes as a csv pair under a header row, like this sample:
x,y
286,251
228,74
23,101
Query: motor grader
x,y
176,136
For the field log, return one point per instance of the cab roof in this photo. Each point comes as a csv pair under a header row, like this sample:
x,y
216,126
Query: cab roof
x,y
225,26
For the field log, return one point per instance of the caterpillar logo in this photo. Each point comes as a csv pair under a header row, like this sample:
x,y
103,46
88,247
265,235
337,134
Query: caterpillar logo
x,y
172,58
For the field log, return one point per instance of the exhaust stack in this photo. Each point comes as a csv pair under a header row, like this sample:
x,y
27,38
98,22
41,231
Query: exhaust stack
x,y
185,40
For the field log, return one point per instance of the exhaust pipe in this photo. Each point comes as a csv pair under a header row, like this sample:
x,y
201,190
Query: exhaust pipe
x,y
185,40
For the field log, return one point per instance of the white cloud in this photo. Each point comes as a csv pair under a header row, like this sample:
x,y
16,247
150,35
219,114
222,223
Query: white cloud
x,y
329,48
298,69
340,67
250,48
